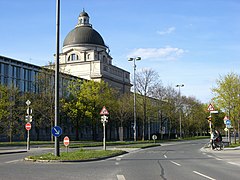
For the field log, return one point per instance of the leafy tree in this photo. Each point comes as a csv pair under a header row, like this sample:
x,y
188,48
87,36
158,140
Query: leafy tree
x,y
171,109
86,102
4,102
227,97
194,117
10,112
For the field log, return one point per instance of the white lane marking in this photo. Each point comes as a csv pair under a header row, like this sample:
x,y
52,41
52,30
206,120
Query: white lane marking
x,y
218,159
121,177
209,156
165,156
118,159
175,163
116,163
233,163
203,175
13,161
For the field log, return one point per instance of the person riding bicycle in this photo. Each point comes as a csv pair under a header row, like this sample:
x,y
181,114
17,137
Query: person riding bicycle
x,y
217,139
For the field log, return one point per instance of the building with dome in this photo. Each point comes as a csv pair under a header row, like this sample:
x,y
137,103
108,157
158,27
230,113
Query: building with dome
x,y
84,54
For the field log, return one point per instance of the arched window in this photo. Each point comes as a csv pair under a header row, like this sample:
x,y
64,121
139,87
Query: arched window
x,y
73,57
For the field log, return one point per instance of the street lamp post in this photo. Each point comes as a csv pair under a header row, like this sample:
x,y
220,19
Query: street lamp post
x,y
56,142
180,118
134,96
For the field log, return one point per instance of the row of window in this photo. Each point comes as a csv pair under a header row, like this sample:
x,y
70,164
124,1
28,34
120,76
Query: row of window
x,y
22,78
76,57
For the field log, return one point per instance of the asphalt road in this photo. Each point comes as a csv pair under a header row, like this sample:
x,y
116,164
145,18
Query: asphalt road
x,y
171,161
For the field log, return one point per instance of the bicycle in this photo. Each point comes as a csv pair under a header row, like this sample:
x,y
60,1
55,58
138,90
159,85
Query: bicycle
x,y
218,145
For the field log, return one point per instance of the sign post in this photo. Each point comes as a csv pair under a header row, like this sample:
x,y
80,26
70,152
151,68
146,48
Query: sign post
x,y
66,142
104,120
228,126
154,137
28,126
210,108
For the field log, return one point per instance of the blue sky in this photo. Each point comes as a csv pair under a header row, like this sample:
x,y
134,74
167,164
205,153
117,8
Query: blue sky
x,y
190,42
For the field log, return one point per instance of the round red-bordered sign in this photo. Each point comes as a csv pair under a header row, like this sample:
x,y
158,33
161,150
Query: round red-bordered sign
x,y
66,141
28,126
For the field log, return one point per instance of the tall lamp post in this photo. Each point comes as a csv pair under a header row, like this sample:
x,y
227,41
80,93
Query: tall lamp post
x,y
56,144
180,119
134,96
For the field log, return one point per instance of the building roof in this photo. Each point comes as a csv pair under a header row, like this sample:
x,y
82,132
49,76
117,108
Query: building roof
x,y
83,35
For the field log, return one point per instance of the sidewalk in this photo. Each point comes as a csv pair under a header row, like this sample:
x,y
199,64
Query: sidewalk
x,y
12,151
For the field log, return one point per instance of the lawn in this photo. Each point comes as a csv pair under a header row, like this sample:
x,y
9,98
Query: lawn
x,y
78,155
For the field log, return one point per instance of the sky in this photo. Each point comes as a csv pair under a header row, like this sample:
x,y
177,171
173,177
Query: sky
x,y
190,42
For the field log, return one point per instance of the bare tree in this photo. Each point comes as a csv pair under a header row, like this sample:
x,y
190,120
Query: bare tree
x,y
146,79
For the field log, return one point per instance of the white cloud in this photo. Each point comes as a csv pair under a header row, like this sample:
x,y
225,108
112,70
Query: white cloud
x,y
167,53
167,31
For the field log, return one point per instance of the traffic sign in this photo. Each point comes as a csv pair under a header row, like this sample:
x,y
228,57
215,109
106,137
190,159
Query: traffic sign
x,y
154,137
56,131
225,118
229,126
28,102
66,141
210,107
104,111
28,126
228,122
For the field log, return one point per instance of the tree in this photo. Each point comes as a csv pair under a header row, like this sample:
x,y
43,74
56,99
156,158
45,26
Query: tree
x,y
193,119
227,97
159,92
5,103
145,80
11,118
86,101
123,111
171,109
43,101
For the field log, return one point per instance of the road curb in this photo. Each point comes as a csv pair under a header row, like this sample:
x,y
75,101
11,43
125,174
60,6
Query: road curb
x,y
75,161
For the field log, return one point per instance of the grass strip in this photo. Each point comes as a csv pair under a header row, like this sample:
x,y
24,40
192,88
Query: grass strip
x,y
233,145
78,155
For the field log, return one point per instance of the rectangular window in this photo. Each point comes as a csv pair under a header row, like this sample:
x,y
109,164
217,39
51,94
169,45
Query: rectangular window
x,y
6,74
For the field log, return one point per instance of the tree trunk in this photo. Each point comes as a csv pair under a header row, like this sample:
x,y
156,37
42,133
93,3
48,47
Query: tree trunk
x,y
120,133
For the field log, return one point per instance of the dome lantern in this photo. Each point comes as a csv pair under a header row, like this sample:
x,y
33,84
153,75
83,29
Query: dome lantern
x,y
83,19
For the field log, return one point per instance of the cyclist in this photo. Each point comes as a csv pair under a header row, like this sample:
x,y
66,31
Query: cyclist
x,y
217,140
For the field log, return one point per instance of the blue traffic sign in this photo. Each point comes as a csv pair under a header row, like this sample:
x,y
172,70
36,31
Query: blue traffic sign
x,y
56,131
228,122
